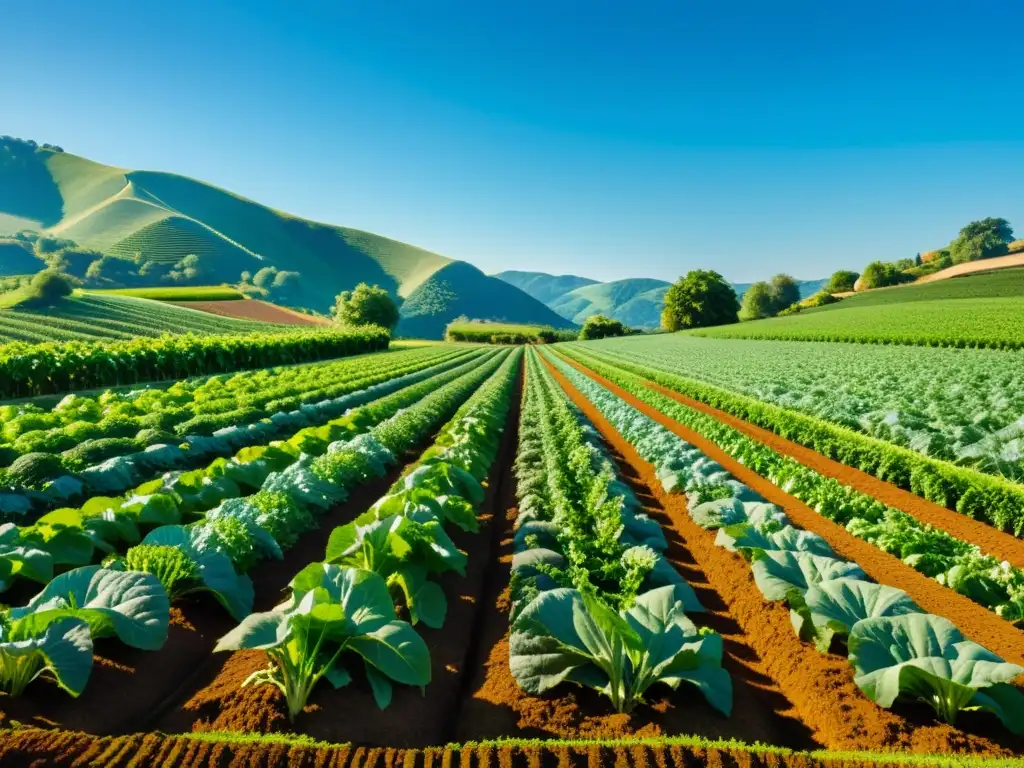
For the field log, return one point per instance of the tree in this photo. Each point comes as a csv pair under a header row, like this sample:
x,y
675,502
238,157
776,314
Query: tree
x,y
981,239
758,302
879,274
841,281
786,292
264,277
700,299
601,327
366,305
917,260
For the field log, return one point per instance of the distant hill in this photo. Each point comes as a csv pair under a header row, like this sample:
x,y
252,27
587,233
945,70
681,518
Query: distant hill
x,y
637,302
542,286
155,219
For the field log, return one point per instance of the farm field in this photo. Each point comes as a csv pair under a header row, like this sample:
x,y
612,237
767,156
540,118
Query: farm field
x,y
256,310
500,333
177,293
984,310
529,555
93,316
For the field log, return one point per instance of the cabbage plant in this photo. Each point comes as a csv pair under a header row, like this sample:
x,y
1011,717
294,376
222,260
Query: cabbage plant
x,y
925,657
565,636
332,610
53,634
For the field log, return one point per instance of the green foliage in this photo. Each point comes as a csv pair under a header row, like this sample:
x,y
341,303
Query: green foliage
x,y
332,611
842,281
366,305
981,240
601,327
174,569
481,332
60,367
700,299
47,287
785,292
758,302
879,274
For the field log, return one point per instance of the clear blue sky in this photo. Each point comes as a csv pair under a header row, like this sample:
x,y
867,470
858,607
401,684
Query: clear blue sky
x,y
610,139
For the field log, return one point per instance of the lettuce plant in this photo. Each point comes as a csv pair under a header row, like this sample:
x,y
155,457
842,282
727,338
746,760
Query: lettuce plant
x,y
332,610
565,636
925,657
833,607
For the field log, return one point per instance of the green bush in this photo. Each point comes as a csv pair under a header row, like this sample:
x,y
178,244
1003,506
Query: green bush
x,y
47,287
96,451
34,469
601,327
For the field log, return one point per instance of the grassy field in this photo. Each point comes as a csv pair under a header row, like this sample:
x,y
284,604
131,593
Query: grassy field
x,y
177,293
91,316
500,333
980,311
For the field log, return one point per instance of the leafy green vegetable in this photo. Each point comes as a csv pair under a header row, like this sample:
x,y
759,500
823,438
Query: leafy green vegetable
x,y
833,607
925,657
778,572
332,610
63,648
563,635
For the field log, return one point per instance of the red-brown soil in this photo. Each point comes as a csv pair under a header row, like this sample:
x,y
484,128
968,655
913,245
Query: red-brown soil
x,y
820,685
253,309
996,543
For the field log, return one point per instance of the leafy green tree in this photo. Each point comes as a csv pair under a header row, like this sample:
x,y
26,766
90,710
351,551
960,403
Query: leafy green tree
x,y
879,274
264,278
366,305
700,299
601,327
758,302
981,239
842,281
786,292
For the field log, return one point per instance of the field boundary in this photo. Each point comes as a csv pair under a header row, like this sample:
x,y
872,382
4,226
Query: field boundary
x,y
38,746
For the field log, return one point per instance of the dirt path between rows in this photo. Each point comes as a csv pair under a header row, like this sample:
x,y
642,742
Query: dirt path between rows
x,y
820,685
1001,545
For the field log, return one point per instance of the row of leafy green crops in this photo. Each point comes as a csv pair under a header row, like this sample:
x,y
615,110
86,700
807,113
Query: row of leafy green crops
x,y
897,651
996,323
594,601
27,370
162,429
937,554
946,424
207,529
91,317
386,560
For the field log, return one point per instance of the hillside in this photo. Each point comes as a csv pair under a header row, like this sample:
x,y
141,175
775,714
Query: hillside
x,y
158,218
89,317
542,286
985,310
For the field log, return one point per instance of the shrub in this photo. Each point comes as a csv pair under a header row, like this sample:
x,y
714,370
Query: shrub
x,y
48,286
601,327
96,451
34,469
842,281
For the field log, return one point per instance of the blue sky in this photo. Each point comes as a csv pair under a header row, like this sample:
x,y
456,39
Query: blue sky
x,y
610,139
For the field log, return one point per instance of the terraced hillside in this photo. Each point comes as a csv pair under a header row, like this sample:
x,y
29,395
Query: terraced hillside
x,y
160,217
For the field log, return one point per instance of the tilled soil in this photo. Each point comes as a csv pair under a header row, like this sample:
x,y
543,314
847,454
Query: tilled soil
x,y
820,686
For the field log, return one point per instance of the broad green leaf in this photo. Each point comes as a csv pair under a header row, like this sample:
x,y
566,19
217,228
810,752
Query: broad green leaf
x,y
777,572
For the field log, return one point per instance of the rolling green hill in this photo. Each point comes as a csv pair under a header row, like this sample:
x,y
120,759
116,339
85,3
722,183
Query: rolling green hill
x,y
158,218
542,286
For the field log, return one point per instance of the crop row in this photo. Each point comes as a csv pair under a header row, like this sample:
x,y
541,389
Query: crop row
x,y
39,369
896,650
129,595
993,500
594,601
164,429
69,537
956,564
386,559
